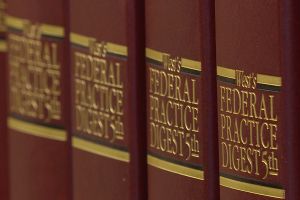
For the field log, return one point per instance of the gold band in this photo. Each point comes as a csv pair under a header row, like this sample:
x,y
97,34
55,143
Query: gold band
x,y
225,72
269,80
52,30
47,29
3,46
154,55
252,188
175,168
36,130
186,63
191,64
85,41
261,78
99,149
80,39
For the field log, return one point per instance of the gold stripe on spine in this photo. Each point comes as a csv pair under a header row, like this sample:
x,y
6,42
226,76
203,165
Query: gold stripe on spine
x,y
225,72
116,49
14,22
3,46
261,78
80,39
154,55
252,188
191,64
186,63
99,149
269,80
85,41
47,29
37,130
175,168
53,30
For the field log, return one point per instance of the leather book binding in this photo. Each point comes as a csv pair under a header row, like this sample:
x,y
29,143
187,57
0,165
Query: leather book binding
x,y
181,115
256,113
38,92
108,100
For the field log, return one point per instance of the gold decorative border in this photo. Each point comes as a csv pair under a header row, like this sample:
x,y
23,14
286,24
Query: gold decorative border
x,y
226,72
84,41
154,55
36,130
252,188
269,80
47,29
99,149
52,30
186,63
261,78
175,168
3,46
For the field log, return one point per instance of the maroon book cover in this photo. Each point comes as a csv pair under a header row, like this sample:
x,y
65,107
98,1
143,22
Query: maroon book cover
x,y
108,100
3,108
38,100
254,86
181,125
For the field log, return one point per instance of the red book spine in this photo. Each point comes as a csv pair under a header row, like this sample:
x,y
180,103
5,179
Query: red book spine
x,y
180,106
253,131
107,99
209,100
38,100
4,191
136,98
290,40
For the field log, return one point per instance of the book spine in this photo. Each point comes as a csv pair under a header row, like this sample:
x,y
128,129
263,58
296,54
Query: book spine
x,y
136,98
252,133
290,40
38,92
209,125
4,180
107,99
174,100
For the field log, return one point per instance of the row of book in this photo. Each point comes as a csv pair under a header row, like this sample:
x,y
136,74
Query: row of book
x,y
153,99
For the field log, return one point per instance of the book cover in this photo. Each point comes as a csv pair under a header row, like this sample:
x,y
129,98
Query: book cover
x,y
252,132
38,100
108,103
178,102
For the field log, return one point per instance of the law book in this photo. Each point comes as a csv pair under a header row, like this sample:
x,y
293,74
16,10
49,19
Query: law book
x,y
4,193
181,126
108,99
256,53
38,92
